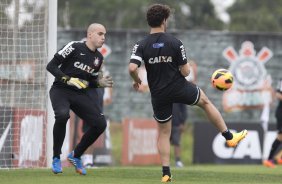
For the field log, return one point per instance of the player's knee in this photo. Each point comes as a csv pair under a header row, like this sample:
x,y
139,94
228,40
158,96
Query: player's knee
x,y
204,100
62,115
102,125
99,124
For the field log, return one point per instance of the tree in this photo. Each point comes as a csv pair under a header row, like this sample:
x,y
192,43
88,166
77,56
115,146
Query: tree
x,y
122,14
253,15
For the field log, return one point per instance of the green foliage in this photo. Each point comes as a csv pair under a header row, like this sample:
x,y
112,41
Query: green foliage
x,y
122,14
253,15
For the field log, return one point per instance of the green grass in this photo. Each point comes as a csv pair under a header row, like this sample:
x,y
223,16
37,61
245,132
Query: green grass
x,y
211,174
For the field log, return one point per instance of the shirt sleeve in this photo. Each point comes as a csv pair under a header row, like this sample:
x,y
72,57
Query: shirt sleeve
x,y
66,52
61,56
136,54
181,56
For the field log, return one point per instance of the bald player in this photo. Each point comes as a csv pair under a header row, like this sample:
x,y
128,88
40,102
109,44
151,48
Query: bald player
x,y
76,67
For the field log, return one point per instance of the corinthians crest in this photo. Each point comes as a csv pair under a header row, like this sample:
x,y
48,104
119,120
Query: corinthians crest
x,y
96,61
252,84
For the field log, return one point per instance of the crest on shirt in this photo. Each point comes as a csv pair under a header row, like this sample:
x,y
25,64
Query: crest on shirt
x,y
96,61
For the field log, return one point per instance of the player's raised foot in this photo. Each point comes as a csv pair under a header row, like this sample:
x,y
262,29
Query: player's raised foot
x,y
237,137
57,166
166,178
268,163
77,163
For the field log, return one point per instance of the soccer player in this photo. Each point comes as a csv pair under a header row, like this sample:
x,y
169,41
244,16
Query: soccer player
x,y
76,68
277,142
166,63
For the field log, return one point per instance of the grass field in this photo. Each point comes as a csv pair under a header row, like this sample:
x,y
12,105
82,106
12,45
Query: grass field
x,y
215,174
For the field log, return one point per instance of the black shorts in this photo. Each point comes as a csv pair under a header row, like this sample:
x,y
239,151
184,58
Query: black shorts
x,y
83,103
185,93
278,115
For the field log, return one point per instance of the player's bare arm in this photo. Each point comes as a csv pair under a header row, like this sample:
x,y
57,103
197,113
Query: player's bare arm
x,y
133,71
184,69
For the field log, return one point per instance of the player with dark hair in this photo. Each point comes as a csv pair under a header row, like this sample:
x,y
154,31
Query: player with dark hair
x,y
166,63
76,68
277,142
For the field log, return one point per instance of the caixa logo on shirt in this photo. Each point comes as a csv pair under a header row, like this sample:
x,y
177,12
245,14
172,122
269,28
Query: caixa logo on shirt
x,y
83,67
160,59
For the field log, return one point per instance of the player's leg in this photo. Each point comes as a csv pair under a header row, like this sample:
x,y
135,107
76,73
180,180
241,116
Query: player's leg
x,y
87,157
88,110
191,94
163,114
270,162
232,139
60,104
164,149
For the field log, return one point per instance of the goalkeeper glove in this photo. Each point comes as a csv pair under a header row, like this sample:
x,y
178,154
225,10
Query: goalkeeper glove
x,y
71,81
105,82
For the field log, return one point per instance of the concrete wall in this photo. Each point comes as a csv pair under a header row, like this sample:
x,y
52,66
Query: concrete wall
x,y
205,47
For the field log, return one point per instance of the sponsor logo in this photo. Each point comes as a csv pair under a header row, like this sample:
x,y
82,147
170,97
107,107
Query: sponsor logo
x,y
66,52
158,45
160,59
252,84
183,53
134,50
83,67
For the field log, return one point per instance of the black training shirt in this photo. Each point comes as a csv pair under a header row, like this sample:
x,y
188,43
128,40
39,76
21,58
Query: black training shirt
x,y
162,54
75,60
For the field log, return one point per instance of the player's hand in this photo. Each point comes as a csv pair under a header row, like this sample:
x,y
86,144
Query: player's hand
x,y
78,83
137,84
106,81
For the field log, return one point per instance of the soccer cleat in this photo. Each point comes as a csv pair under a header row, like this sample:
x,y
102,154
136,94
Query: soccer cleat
x,y
268,163
77,163
166,178
279,161
237,137
57,166
179,164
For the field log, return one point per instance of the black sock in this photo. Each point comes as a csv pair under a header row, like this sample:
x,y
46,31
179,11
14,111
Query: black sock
x,y
273,149
166,171
177,159
227,135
